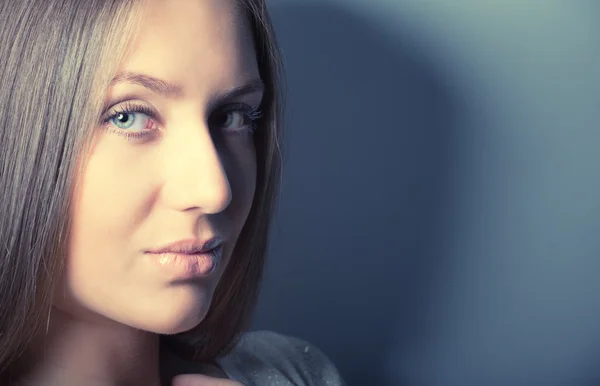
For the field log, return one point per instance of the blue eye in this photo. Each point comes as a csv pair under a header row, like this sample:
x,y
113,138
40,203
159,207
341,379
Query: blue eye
x,y
236,117
129,120
234,120
123,120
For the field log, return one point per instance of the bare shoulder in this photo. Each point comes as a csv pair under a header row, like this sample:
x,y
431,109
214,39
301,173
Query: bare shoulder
x,y
269,358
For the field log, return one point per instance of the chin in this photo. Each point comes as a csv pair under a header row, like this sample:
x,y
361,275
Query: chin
x,y
164,311
179,314
170,323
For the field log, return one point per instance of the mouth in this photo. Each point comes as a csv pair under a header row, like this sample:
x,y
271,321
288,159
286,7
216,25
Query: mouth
x,y
189,258
189,246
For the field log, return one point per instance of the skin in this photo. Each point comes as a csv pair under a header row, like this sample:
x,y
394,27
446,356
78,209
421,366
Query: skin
x,y
192,176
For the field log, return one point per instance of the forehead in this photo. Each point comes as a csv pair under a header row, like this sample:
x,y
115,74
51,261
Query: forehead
x,y
196,43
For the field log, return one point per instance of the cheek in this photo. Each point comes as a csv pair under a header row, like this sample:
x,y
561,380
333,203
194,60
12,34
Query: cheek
x,y
241,167
109,203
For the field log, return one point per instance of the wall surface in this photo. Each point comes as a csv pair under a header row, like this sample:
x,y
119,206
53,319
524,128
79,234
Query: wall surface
x,y
440,208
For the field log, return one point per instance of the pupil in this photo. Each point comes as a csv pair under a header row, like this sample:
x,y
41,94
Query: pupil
x,y
122,117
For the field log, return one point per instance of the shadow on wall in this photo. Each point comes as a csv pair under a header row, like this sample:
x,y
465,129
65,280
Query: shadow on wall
x,y
369,126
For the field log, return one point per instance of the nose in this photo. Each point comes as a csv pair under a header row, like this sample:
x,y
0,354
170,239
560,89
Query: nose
x,y
194,175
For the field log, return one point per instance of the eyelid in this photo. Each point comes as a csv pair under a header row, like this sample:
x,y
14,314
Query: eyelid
x,y
131,106
251,112
236,106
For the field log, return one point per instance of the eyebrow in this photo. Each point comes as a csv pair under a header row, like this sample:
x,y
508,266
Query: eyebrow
x,y
171,90
157,86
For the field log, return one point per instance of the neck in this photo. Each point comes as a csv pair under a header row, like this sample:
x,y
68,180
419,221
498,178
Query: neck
x,y
76,352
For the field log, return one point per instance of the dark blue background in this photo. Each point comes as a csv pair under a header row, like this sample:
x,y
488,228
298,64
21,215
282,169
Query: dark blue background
x,y
439,222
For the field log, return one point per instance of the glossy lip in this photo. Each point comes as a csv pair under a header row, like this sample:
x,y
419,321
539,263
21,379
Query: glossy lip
x,y
187,259
189,246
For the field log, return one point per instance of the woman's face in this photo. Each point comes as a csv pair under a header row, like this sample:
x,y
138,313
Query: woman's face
x,y
173,161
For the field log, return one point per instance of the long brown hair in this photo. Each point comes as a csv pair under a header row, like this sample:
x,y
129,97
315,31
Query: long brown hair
x,y
56,60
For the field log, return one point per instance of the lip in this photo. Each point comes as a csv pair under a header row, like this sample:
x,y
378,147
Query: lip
x,y
187,259
189,246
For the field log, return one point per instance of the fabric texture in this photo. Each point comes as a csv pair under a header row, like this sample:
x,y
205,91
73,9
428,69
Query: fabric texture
x,y
263,358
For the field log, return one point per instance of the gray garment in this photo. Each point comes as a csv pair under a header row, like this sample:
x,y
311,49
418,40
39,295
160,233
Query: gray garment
x,y
264,358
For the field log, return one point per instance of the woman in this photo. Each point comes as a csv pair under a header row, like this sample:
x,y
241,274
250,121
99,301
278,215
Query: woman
x,y
139,163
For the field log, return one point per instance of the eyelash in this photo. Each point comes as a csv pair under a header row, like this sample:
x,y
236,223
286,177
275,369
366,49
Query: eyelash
x,y
251,113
